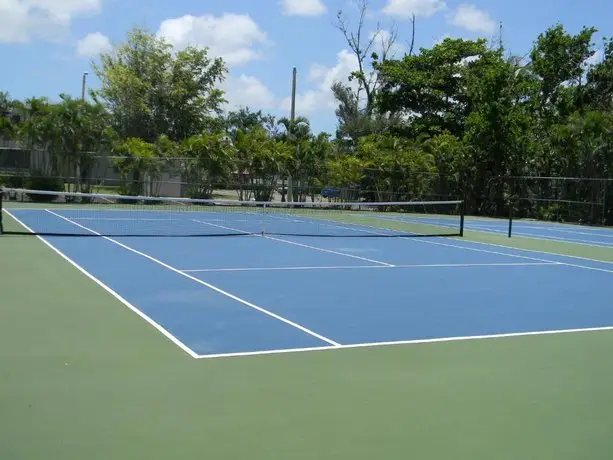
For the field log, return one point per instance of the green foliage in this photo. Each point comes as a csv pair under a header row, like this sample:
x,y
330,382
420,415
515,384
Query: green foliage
x,y
210,160
137,162
39,181
559,58
152,90
430,84
396,168
260,160
599,93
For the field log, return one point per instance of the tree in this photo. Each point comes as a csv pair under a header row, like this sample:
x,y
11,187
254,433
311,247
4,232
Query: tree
x,y
313,163
428,88
77,133
138,164
357,111
500,128
210,160
151,89
599,91
297,132
558,59
35,133
363,48
395,168
8,124
346,173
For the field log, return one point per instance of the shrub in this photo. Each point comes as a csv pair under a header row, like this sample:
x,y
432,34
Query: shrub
x,y
46,183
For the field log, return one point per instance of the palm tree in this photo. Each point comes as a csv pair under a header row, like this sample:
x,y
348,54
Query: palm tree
x,y
7,107
297,131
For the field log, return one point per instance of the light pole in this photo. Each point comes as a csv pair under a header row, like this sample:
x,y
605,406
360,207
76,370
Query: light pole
x,y
83,85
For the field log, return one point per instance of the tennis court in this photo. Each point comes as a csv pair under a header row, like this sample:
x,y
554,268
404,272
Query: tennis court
x,y
234,331
311,282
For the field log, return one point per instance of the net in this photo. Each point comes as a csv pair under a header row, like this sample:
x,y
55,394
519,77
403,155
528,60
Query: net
x,y
74,214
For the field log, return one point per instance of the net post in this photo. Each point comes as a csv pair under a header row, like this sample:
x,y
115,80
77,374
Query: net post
x,y
263,229
462,212
510,219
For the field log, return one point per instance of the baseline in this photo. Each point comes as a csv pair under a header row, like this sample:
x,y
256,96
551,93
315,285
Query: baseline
x,y
410,342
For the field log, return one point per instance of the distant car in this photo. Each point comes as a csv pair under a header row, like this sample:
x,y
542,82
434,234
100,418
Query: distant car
x,y
331,192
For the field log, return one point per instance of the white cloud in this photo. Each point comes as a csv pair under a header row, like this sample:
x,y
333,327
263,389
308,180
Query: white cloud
x,y
23,20
93,45
248,91
471,18
231,36
596,58
321,98
303,7
406,8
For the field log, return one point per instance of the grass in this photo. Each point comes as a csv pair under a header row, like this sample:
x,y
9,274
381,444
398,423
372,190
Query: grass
x,y
83,377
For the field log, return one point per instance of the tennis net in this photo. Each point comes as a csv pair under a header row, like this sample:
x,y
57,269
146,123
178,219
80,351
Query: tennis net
x,y
51,213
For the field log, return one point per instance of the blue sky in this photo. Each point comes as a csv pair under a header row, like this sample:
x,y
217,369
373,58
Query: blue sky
x,y
46,45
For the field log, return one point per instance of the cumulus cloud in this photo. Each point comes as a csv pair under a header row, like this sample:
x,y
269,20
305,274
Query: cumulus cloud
x,y
406,8
248,91
595,59
303,7
234,37
321,97
23,20
471,18
93,45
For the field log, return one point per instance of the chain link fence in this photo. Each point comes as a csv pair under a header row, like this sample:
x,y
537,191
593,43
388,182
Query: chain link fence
x,y
587,201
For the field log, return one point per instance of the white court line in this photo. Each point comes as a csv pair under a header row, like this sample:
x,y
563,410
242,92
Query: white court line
x,y
532,236
148,319
308,246
518,231
362,267
592,243
204,283
573,232
131,219
586,267
259,269
408,342
467,248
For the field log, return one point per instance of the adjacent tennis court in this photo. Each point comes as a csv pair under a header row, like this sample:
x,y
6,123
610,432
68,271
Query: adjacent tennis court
x,y
268,332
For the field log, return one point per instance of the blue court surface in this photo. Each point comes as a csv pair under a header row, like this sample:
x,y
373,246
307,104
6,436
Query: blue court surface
x,y
253,294
567,233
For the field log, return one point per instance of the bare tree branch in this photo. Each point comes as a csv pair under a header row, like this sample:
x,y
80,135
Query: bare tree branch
x,y
412,46
360,50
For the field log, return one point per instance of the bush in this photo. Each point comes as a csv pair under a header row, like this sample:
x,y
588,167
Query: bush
x,y
13,180
46,183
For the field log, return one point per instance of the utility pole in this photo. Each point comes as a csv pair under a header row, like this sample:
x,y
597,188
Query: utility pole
x,y
290,191
83,86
